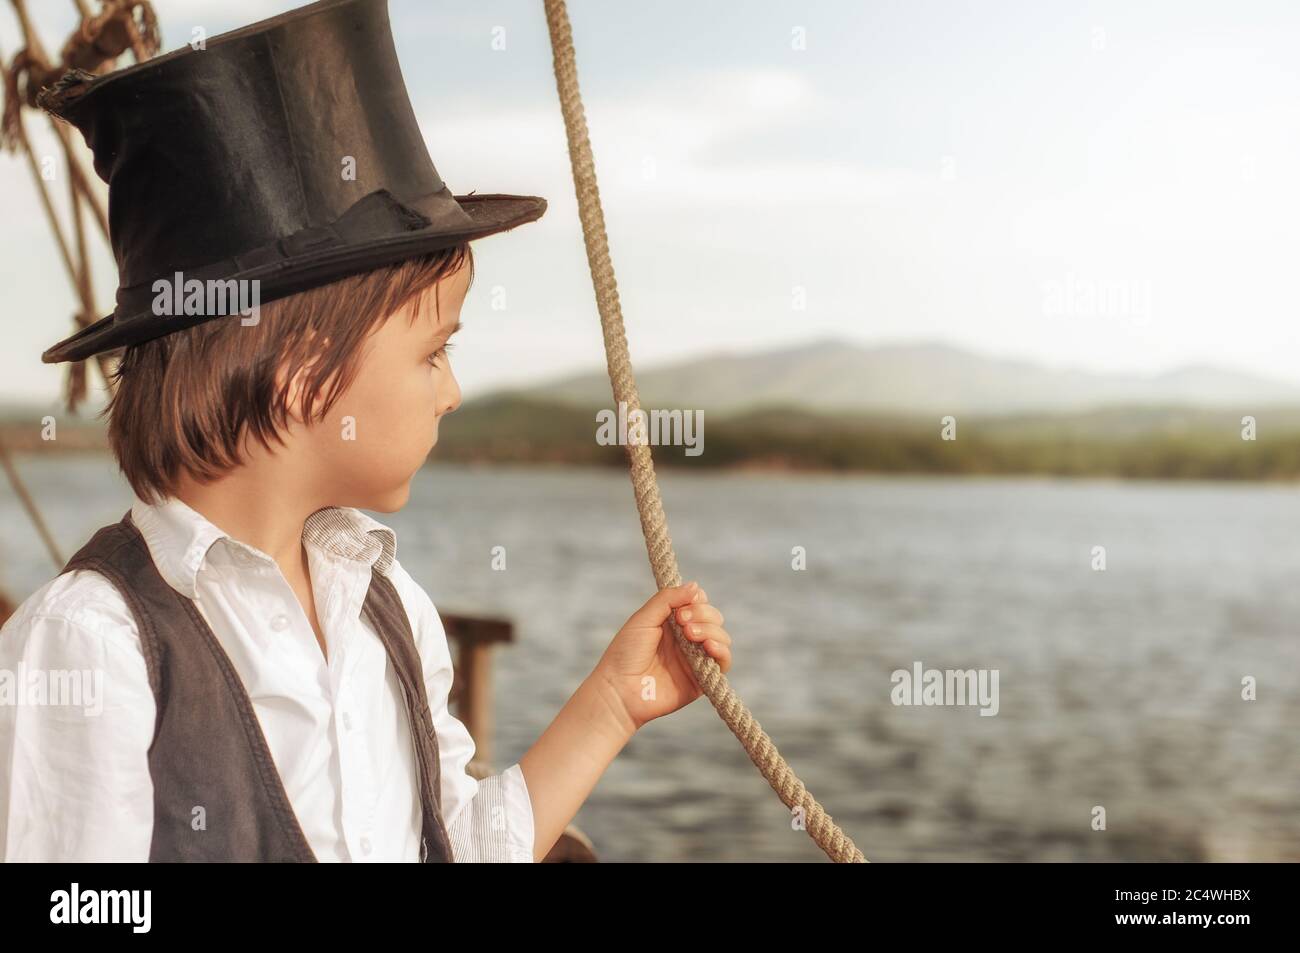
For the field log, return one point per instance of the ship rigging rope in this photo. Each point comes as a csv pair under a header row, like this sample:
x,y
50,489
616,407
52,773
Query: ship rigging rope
x,y
654,524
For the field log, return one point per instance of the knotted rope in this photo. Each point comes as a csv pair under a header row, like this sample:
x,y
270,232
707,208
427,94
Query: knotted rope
x,y
94,45
654,525
92,48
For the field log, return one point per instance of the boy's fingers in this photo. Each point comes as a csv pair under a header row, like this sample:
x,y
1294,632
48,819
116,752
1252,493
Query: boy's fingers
x,y
698,632
661,604
720,654
699,612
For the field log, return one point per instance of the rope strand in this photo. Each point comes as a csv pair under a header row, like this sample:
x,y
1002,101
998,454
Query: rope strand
x,y
654,524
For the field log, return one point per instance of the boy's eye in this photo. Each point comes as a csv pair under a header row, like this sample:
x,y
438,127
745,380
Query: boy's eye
x,y
433,358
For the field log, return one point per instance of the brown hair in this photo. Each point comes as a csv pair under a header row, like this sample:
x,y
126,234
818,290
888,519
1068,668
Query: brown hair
x,y
184,401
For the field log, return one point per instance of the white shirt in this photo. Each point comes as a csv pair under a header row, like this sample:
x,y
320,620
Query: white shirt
x,y
74,771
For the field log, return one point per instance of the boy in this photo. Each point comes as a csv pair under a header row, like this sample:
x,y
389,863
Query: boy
x,y
270,683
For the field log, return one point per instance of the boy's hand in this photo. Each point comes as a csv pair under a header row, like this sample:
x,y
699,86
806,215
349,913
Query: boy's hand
x,y
643,665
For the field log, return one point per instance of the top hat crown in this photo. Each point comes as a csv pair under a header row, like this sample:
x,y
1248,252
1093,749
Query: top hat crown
x,y
285,152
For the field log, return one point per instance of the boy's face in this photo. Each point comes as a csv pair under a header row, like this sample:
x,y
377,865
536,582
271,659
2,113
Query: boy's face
x,y
379,433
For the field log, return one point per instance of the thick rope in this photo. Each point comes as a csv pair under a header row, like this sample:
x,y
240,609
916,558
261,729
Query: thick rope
x,y
654,524
96,43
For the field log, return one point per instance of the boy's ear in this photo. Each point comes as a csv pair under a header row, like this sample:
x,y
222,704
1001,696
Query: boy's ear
x,y
297,382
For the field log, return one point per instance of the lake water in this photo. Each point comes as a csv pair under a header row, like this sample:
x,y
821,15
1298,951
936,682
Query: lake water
x,y
1118,688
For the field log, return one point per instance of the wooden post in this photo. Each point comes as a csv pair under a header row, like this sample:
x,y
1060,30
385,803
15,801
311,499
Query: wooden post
x,y
471,689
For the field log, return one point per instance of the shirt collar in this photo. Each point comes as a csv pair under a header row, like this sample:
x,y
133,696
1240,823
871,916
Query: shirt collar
x,y
179,538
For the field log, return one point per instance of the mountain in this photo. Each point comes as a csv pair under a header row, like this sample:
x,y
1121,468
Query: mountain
x,y
832,375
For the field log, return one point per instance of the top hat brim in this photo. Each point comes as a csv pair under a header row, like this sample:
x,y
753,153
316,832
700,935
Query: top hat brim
x,y
486,214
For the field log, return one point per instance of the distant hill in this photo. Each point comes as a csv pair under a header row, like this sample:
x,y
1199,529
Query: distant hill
x,y
17,412
838,407
1126,442
22,428
920,379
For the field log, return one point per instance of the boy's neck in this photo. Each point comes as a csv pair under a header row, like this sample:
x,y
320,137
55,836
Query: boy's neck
x,y
265,514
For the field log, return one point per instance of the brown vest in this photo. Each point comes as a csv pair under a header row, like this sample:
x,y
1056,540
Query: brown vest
x,y
208,749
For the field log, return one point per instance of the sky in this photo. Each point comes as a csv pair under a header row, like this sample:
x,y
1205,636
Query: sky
x,y
1107,186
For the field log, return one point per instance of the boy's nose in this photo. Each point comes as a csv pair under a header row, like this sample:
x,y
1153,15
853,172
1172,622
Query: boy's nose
x,y
452,403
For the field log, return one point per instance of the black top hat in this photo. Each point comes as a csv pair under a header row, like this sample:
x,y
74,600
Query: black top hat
x,y
230,162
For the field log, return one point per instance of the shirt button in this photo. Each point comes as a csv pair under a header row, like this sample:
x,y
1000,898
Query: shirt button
x,y
365,845
347,720
280,623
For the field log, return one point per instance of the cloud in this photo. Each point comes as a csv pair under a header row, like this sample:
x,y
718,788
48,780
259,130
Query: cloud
x,y
672,145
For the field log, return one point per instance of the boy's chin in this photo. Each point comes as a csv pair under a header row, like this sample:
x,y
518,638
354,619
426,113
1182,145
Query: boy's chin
x,y
392,502
380,501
